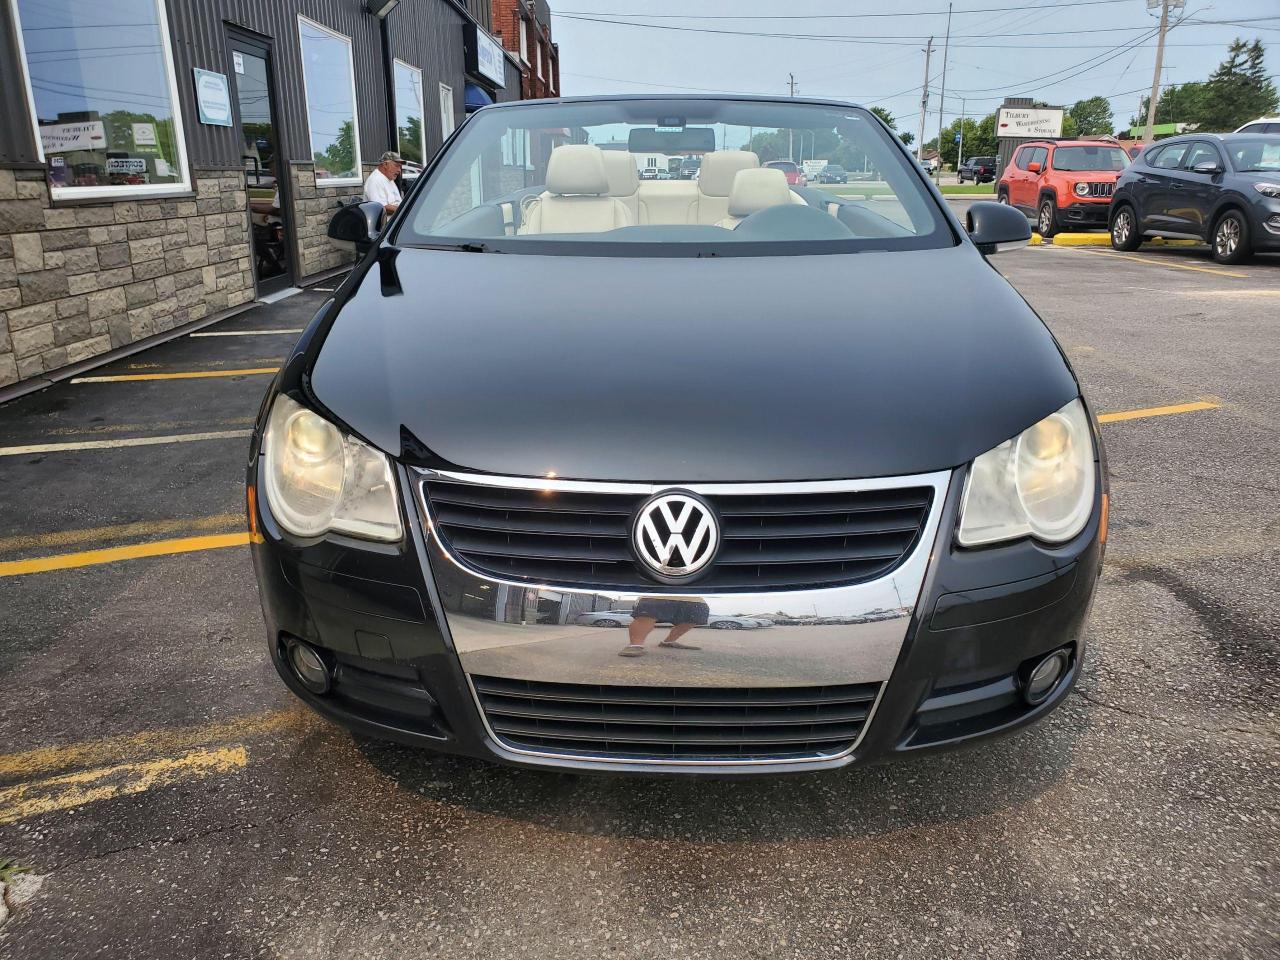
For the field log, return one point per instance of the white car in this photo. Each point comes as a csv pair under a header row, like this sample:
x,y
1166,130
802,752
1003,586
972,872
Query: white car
x,y
1261,125
604,618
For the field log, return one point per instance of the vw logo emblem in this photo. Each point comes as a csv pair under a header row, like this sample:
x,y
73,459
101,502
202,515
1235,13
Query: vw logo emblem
x,y
676,535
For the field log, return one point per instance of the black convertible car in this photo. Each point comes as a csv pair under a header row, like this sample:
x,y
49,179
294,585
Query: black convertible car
x,y
550,389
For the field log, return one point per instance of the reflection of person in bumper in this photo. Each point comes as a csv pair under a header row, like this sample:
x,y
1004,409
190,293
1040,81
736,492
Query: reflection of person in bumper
x,y
683,615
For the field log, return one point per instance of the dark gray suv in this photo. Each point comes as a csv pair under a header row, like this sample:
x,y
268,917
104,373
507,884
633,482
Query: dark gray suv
x,y
1223,189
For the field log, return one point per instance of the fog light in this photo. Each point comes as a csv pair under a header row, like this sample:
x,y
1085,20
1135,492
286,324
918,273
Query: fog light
x,y
308,666
1045,676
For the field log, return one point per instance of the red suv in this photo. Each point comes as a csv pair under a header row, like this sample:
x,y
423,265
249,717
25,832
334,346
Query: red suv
x,y
795,176
1063,184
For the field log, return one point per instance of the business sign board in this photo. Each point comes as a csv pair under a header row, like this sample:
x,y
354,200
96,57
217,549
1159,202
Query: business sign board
x,y
484,55
63,137
213,98
1025,122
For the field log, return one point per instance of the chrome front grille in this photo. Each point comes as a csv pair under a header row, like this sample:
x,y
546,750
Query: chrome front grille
x,y
1101,189
675,724
566,536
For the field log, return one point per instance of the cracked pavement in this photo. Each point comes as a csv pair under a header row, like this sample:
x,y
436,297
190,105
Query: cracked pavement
x,y
198,811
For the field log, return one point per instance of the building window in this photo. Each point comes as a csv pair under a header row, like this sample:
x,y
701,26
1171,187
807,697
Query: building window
x,y
101,91
524,40
330,85
537,52
446,110
409,130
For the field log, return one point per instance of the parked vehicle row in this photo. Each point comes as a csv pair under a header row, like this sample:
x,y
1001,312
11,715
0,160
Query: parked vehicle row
x,y
978,169
1221,189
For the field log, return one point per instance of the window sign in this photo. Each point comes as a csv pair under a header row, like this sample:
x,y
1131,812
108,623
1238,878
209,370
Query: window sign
x,y
329,80
409,113
237,61
102,96
213,98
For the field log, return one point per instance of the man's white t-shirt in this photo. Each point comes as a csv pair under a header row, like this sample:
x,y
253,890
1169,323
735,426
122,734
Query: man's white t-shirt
x,y
379,189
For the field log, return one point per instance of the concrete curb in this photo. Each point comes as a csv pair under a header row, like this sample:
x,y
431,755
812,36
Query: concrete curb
x,y
1102,240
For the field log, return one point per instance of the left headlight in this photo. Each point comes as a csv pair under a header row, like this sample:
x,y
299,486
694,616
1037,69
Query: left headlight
x,y
1082,189
318,479
1268,189
1038,484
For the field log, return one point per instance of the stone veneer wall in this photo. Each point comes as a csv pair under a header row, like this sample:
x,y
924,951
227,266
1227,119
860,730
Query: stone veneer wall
x,y
313,207
78,281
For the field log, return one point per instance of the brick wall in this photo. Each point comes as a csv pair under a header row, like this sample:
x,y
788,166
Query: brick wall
x,y
78,281
313,207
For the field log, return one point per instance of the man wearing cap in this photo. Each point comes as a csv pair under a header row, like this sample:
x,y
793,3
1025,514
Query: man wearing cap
x,y
381,185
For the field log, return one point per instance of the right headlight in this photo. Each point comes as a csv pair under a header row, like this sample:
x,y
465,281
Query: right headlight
x,y
318,479
1038,484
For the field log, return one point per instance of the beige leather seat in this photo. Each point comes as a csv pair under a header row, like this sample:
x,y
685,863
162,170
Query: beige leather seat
x,y
755,190
624,179
667,201
577,196
715,181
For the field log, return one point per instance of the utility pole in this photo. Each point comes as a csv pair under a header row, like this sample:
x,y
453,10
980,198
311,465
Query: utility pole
x,y
1155,80
791,134
942,98
924,100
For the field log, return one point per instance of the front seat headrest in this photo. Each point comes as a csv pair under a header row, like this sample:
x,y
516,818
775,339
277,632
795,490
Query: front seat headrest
x,y
577,168
620,167
757,189
715,178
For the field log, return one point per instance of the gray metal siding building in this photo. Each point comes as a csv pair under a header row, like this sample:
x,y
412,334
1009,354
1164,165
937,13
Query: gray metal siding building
x,y
165,162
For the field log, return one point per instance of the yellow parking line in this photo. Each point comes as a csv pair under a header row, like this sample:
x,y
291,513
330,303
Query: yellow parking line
x,y
1169,263
184,375
88,558
121,780
121,531
132,747
1156,411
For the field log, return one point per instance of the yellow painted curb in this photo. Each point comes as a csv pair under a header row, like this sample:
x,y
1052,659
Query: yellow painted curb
x,y
1081,240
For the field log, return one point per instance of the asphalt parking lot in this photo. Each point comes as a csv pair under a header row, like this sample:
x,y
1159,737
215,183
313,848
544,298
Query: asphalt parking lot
x,y
169,798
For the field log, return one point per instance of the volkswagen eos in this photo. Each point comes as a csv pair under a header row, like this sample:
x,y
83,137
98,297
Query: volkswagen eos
x,y
550,388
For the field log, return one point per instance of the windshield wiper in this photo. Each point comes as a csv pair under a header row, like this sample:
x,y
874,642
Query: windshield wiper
x,y
469,246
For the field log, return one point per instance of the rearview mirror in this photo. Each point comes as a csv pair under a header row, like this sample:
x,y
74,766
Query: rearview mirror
x,y
357,223
1207,166
996,226
1033,167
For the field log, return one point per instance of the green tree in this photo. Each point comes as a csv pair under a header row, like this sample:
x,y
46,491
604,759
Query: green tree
x,y
907,137
1092,117
887,117
1181,104
339,158
1239,90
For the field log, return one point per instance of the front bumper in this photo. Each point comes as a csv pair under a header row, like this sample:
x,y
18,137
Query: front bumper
x,y
404,648
1084,214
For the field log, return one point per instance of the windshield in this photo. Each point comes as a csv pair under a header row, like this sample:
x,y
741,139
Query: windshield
x,y
578,178
1090,158
1255,155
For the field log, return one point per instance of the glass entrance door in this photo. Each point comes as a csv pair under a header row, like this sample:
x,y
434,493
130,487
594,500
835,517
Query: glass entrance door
x,y
266,172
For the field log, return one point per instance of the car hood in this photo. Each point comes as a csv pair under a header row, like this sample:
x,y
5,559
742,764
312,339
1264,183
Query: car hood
x,y
661,369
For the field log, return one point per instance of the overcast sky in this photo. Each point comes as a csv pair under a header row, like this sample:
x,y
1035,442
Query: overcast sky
x,y
1056,50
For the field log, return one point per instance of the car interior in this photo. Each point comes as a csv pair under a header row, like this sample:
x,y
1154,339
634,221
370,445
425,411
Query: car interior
x,y
592,191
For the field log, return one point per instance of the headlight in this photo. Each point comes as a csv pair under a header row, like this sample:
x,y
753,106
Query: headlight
x,y
1082,189
1268,189
318,479
1038,484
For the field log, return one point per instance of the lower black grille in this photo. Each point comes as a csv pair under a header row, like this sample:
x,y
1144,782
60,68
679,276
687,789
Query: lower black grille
x,y
675,723
768,540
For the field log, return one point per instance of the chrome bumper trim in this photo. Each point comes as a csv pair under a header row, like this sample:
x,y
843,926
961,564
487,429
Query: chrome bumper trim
x,y
840,635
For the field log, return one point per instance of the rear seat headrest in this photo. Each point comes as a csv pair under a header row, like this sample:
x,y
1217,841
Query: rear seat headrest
x,y
620,167
757,189
715,178
577,168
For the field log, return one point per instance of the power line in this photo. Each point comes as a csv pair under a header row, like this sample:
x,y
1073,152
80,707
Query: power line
x,y
825,16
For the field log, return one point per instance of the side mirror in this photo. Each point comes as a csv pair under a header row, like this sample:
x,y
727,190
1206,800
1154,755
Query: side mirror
x,y
357,223
1208,166
1033,167
996,226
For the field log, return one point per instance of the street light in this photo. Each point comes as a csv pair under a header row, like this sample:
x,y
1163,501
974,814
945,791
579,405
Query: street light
x,y
380,8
